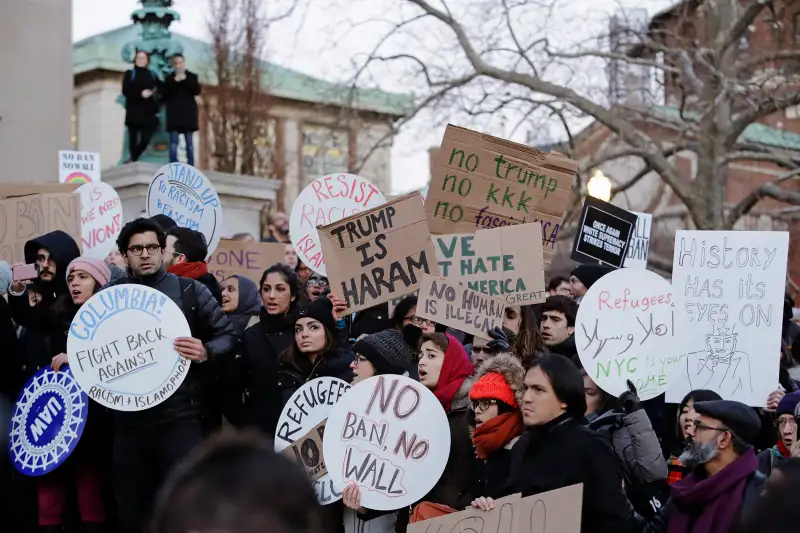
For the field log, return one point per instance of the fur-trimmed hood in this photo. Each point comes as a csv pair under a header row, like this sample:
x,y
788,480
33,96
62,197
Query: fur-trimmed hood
x,y
461,399
508,366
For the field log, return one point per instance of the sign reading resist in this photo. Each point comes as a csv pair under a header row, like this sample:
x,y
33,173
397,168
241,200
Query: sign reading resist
x,y
120,347
390,436
101,219
604,233
47,422
301,429
184,194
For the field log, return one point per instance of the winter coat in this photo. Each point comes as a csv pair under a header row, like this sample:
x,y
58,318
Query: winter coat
x,y
181,105
212,285
382,523
10,384
564,452
335,363
207,323
140,112
768,459
566,348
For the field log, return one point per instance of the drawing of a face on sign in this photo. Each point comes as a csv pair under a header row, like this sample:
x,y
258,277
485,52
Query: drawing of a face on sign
x,y
184,194
327,199
120,347
625,330
390,436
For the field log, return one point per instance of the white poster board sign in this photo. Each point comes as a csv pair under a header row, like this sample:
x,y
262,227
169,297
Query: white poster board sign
x,y
640,242
729,289
101,219
309,406
389,435
120,347
625,330
184,194
78,167
326,200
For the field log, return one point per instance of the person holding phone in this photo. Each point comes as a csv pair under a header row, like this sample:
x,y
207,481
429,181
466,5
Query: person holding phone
x,y
141,110
180,92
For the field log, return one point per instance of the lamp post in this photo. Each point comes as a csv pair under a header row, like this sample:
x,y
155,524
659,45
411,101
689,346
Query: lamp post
x,y
599,186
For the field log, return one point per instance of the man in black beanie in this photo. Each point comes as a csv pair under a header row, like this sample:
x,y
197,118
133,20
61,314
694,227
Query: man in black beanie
x,y
584,276
385,352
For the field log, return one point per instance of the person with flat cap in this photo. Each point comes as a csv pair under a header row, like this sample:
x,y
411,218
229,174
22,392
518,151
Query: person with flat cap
x,y
724,482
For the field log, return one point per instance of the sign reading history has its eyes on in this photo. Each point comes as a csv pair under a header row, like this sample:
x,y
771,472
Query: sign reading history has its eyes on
x,y
604,233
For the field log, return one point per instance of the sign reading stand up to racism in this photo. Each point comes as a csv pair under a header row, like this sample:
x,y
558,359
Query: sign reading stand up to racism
x,y
101,219
604,233
120,347
184,194
47,422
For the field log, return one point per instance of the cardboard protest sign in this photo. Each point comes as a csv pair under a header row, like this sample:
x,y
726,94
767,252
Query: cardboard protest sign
x,y
120,347
625,330
248,259
482,182
729,289
327,200
503,262
504,518
301,428
640,241
184,194
452,304
47,422
379,254
604,233
78,167
389,434
395,301
101,219
28,211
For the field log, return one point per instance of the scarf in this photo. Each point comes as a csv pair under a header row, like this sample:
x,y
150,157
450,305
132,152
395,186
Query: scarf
x,y
455,369
783,450
496,433
714,502
189,270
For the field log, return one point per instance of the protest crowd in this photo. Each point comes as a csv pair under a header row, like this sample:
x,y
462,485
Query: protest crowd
x,y
384,389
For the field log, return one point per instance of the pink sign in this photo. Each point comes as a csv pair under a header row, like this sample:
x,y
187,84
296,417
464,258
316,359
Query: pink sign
x,y
101,218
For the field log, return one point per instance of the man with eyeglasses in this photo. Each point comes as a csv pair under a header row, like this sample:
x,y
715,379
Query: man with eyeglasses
x,y
786,426
147,444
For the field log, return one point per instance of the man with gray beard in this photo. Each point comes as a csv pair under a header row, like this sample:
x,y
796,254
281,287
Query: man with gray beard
x,y
725,482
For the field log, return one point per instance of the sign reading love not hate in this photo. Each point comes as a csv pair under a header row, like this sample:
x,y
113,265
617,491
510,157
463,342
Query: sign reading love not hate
x,y
452,304
101,219
327,200
120,347
625,330
188,197
248,259
388,434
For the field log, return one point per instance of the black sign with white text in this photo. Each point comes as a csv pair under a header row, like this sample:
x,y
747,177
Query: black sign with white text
x,y
604,233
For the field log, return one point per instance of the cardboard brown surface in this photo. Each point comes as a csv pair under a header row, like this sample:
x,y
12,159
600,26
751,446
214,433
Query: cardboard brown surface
x,y
504,518
248,259
503,262
307,452
452,304
380,254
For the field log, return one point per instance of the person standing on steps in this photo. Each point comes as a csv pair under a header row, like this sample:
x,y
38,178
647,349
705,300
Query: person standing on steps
x,y
139,87
180,93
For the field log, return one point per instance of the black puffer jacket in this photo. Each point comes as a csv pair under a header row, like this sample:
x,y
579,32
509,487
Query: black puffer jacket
x,y
207,323
335,363
140,112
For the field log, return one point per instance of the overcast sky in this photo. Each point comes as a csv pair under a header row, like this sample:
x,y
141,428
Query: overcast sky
x,y
319,40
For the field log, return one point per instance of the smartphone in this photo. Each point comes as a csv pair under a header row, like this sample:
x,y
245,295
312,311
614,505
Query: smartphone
x,y
25,272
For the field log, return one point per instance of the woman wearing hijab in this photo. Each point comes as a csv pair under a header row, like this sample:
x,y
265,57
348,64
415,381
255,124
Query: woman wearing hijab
x,y
240,302
141,109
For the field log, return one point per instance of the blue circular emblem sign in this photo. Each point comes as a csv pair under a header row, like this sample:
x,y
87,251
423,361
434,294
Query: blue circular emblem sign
x,y
47,421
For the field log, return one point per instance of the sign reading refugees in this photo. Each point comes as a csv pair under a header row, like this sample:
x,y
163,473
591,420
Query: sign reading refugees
x,y
729,290
301,430
625,330
452,304
604,233
503,262
379,254
640,241
120,347
78,167
327,200
390,436
184,194
101,219
248,259
47,422
483,182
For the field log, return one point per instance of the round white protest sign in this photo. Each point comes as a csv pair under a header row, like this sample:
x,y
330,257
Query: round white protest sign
x,y
101,218
389,435
625,331
184,194
327,199
120,347
301,428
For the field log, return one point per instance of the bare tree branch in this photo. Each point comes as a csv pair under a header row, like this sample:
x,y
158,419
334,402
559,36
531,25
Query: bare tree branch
x,y
735,33
769,189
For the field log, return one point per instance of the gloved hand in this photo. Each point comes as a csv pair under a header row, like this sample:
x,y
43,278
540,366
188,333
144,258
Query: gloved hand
x,y
630,399
499,342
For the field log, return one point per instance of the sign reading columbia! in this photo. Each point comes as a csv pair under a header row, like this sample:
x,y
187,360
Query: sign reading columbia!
x,y
120,347
379,254
483,182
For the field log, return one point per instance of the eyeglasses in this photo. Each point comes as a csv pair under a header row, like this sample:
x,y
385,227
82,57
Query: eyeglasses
x,y
137,249
317,283
419,321
699,426
783,422
359,359
483,405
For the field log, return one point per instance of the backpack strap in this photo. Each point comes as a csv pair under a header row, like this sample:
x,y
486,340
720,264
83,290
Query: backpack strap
x,y
189,303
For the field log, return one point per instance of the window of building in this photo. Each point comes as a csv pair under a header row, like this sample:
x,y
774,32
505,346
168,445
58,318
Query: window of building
x,y
324,150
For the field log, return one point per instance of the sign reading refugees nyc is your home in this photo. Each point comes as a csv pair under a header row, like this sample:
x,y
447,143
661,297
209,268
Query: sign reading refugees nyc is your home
x,y
379,254
301,430
729,290
483,182
502,262
120,347
603,234
452,304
